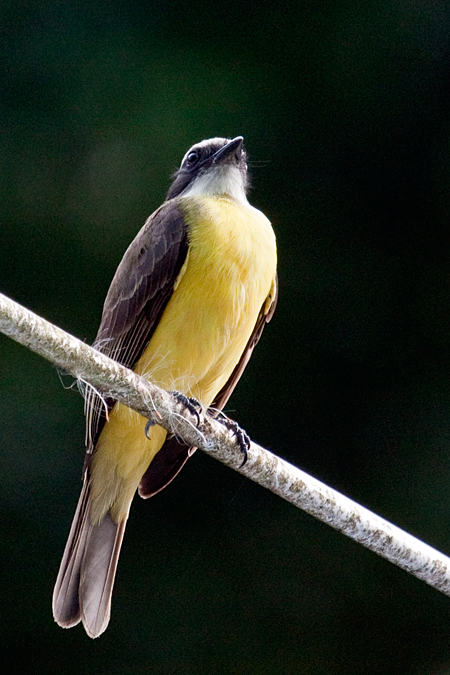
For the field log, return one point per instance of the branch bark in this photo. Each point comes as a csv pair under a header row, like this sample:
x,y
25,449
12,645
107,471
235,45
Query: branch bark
x,y
262,466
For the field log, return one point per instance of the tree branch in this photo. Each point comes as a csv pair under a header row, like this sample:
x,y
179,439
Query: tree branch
x,y
263,467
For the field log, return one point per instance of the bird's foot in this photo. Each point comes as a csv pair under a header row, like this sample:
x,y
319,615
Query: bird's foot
x,y
194,406
242,437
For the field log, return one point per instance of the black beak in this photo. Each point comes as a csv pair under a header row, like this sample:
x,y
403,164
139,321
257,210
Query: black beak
x,y
233,147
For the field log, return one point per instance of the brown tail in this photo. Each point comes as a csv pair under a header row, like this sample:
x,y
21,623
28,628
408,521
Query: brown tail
x,y
86,576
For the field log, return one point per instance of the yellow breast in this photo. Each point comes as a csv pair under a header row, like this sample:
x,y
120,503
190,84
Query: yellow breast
x,y
219,293
200,337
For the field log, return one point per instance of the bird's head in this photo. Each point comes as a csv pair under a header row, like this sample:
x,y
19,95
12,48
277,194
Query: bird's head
x,y
217,166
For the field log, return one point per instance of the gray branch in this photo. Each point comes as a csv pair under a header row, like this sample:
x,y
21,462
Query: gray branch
x,y
263,467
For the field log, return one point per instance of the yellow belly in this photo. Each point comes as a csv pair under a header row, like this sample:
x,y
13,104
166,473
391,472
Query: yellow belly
x,y
199,339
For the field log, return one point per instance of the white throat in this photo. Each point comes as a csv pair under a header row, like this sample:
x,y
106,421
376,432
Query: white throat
x,y
218,180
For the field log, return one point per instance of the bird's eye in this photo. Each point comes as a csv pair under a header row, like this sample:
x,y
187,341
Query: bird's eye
x,y
192,158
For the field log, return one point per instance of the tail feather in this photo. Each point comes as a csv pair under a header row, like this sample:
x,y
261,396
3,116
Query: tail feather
x,y
66,607
98,572
86,576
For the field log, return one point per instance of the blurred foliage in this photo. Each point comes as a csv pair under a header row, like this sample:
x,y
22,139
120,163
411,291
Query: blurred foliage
x,y
346,114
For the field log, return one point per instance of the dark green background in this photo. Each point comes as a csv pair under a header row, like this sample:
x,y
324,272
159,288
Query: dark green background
x,y
345,108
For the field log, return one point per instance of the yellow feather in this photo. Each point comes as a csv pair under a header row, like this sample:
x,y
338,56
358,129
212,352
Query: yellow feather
x,y
200,337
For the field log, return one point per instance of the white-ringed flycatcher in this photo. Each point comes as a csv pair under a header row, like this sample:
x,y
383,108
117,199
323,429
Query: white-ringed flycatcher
x,y
185,309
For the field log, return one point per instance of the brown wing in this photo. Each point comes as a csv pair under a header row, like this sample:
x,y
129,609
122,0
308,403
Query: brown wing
x,y
173,455
139,292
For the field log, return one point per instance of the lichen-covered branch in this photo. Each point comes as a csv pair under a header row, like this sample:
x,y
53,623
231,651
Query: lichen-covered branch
x,y
262,466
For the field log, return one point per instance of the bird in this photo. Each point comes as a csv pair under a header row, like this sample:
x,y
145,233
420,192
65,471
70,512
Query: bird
x,y
185,309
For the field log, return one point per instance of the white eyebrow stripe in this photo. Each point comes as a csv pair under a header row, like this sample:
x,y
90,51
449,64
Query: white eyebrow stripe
x,y
202,144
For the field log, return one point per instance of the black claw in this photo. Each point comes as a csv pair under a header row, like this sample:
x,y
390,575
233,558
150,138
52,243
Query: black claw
x,y
242,437
243,440
147,427
188,402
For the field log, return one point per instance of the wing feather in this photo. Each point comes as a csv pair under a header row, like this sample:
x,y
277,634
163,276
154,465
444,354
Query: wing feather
x,y
139,292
